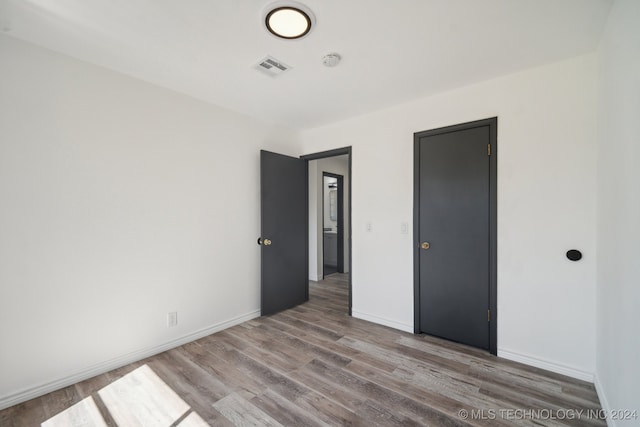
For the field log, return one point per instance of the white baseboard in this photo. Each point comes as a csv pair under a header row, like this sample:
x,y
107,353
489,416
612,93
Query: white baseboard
x,y
546,364
603,400
382,321
108,365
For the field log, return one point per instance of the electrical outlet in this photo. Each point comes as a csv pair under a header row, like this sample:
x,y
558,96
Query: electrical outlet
x,y
172,319
369,227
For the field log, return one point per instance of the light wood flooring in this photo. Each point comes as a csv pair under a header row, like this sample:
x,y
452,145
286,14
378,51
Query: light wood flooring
x,y
314,365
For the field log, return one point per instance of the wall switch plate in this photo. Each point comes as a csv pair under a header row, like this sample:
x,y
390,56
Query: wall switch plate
x,y
369,227
404,228
172,319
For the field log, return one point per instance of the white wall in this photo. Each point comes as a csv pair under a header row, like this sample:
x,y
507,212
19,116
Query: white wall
x,y
338,165
315,204
120,202
546,205
618,346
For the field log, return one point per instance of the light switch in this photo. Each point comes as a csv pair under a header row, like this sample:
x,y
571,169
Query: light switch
x,y
404,228
172,319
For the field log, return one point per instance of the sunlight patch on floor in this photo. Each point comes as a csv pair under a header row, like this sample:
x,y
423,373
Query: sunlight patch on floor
x,y
193,420
83,413
142,398
139,398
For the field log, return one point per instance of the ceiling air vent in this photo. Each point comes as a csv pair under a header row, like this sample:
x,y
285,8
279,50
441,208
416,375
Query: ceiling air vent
x,y
271,66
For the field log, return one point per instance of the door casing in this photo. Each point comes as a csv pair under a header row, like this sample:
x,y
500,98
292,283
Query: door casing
x,y
492,123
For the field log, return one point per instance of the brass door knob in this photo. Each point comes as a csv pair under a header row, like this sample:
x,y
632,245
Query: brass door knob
x,y
425,245
266,242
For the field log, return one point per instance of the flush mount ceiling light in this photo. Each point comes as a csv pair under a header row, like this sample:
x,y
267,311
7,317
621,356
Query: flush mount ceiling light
x,y
289,20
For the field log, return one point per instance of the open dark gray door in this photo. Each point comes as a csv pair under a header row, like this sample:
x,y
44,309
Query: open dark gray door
x,y
456,233
284,228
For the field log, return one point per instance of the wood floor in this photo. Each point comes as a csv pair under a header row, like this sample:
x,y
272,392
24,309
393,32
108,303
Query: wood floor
x,y
314,365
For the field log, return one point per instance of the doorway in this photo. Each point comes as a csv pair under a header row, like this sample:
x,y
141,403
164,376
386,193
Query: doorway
x,y
332,223
455,233
329,178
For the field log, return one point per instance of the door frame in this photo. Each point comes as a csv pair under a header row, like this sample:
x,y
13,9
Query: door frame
x,y
339,219
334,153
493,206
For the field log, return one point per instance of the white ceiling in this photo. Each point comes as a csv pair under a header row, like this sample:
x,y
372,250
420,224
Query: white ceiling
x,y
393,50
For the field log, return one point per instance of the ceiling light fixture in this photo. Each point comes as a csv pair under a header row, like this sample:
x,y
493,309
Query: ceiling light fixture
x,y
289,20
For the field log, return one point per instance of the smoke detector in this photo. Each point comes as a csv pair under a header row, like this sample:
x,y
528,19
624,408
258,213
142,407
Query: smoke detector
x,y
331,60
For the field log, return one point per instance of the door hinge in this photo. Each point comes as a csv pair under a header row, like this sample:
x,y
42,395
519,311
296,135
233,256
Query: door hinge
x,y
488,315
488,149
